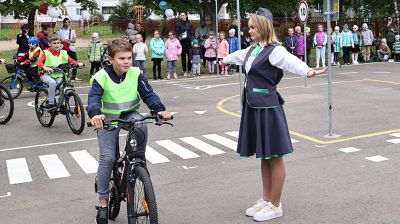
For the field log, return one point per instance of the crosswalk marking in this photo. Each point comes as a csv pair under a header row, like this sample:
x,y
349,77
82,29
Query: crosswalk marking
x,y
377,158
202,146
233,134
394,141
222,140
294,140
85,161
397,135
349,149
177,149
155,157
53,166
18,171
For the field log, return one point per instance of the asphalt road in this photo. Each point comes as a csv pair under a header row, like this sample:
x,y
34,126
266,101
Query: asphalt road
x,y
352,178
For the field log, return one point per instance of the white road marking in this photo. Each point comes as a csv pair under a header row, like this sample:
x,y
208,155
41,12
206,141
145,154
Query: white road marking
x,y
394,141
202,146
233,133
200,111
397,135
6,195
222,140
85,161
190,167
50,144
294,140
377,158
345,73
18,171
32,104
349,149
155,157
173,113
320,146
53,166
382,72
177,149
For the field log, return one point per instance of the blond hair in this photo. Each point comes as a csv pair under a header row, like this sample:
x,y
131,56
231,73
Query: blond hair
x,y
266,29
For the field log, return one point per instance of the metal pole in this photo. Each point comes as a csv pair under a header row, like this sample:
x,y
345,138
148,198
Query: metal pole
x,y
328,21
240,47
216,33
305,51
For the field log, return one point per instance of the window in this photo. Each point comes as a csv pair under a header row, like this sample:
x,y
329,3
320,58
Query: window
x,y
64,11
79,11
107,10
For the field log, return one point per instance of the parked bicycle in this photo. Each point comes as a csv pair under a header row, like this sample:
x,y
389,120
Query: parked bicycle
x,y
15,82
6,105
130,180
68,103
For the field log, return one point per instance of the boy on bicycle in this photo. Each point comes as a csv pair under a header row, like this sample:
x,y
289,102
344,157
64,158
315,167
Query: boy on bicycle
x,y
51,58
117,89
28,61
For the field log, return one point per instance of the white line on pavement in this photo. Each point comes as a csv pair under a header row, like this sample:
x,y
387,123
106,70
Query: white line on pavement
x,y
155,157
85,161
233,134
394,141
222,140
18,171
382,72
177,149
345,73
53,166
202,146
6,195
397,135
349,149
377,158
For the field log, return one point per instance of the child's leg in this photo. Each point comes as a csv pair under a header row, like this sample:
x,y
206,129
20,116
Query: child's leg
x,y
98,65
107,140
174,69
210,67
159,68
92,66
154,68
198,68
169,68
52,87
318,52
143,67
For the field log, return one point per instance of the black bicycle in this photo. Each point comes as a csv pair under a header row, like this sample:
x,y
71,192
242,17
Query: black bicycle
x,y
6,105
130,180
69,103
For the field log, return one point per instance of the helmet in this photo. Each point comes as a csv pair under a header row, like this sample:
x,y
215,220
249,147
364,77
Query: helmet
x,y
33,40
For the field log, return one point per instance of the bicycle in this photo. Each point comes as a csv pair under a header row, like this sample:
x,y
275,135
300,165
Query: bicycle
x,y
68,103
130,179
15,82
6,109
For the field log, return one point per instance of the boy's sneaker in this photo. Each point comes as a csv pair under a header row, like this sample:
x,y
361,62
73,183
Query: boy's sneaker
x,y
175,76
50,107
185,74
76,79
102,215
260,204
268,212
168,76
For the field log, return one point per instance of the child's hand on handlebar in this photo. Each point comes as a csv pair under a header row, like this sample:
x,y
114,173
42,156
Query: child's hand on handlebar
x,y
97,121
165,115
47,69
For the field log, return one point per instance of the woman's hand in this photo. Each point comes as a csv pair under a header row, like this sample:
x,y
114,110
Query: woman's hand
x,y
97,121
313,72
165,115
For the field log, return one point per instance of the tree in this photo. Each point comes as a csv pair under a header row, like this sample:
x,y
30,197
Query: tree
x,y
23,9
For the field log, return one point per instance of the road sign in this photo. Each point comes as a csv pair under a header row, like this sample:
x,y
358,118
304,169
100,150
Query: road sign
x,y
333,9
303,11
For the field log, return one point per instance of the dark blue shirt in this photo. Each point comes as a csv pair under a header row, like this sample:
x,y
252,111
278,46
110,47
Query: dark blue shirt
x,y
146,93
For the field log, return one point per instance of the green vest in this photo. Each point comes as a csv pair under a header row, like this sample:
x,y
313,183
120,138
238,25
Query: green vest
x,y
118,97
54,61
31,53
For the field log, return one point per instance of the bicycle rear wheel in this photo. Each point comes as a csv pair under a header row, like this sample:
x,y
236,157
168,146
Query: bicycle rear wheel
x,y
6,105
75,112
45,118
141,200
15,88
114,201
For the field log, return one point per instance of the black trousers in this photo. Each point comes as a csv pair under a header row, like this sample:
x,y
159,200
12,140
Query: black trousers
x,y
94,65
186,45
203,51
73,56
397,57
157,67
346,54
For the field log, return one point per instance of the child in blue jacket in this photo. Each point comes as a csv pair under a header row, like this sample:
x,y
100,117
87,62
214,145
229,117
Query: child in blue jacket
x,y
157,53
291,41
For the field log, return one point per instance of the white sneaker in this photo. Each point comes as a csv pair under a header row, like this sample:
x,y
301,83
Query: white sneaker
x,y
317,66
185,74
175,76
268,212
259,204
168,76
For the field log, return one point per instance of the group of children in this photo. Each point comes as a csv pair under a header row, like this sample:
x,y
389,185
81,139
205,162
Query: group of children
x,y
348,42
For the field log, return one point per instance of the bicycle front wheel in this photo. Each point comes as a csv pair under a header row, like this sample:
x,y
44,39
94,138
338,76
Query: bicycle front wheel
x,y
141,203
45,117
14,86
75,112
6,105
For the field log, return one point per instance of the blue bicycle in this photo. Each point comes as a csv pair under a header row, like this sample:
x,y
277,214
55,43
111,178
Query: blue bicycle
x,y
15,82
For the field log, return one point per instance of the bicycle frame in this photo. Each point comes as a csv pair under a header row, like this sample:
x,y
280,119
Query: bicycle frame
x,y
20,72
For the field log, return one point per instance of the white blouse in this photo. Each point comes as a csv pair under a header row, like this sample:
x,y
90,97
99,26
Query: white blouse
x,y
279,57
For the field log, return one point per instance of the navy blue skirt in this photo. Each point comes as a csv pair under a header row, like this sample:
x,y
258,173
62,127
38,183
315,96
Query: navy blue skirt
x,y
264,133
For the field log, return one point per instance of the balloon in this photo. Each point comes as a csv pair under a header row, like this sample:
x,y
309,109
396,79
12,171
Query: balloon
x,y
54,12
169,13
42,9
163,5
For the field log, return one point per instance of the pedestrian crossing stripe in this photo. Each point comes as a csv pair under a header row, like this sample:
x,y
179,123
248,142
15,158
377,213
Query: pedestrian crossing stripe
x,y
18,170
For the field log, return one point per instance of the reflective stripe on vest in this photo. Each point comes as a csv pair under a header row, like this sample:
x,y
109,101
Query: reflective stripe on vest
x,y
54,61
31,53
118,97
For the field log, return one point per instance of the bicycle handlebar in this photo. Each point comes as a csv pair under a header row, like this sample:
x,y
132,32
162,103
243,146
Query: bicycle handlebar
x,y
153,116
